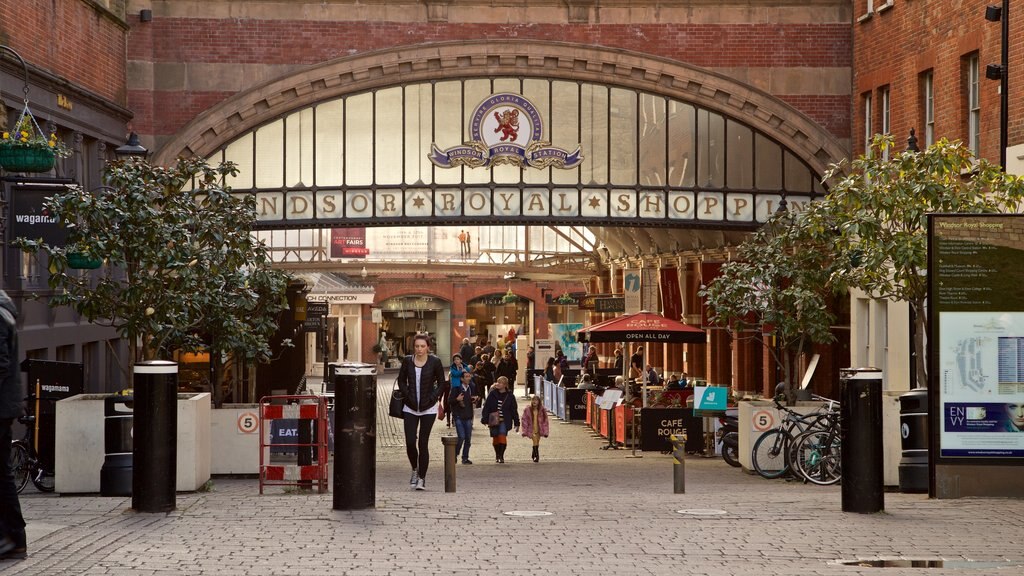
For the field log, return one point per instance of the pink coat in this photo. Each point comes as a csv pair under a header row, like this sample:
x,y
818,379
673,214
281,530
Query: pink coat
x,y
526,422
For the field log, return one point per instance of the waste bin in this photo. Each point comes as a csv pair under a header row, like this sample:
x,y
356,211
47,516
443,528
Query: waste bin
x,y
355,435
116,472
913,468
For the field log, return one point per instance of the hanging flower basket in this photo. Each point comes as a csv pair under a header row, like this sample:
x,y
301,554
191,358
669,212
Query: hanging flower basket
x,y
80,261
26,158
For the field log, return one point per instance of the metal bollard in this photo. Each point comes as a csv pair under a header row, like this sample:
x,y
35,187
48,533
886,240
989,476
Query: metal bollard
x,y
678,463
449,462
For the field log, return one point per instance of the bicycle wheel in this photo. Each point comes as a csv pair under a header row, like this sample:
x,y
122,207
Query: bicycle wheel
x,y
817,457
770,455
42,479
19,462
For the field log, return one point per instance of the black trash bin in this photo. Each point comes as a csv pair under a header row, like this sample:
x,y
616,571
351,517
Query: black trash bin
x,y
913,467
116,472
355,435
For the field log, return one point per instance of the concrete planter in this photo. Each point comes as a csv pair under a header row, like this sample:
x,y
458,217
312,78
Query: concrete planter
x,y
235,440
79,443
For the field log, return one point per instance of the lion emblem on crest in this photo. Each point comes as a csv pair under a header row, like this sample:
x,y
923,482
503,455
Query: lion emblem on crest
x,y
508,124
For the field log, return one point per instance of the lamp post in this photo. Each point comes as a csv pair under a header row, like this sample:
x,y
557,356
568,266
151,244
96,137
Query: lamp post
x,y
1001,72
132,147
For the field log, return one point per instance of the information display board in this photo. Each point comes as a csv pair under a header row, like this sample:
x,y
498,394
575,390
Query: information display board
x,y
976,271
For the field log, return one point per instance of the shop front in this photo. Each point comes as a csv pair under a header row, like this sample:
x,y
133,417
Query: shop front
x,y
403,317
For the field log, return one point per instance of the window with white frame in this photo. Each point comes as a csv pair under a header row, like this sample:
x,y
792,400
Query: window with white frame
x,y
867,124
928,93
883,111
973,105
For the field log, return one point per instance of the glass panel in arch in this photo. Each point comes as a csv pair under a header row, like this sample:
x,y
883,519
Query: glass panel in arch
x,y
448,126
298,157
505,85
798,175
767,164
623,108
269,153
563,128
418,130
387,160
240,152
358,140
710,146
330,126
476,92
594,134
538,92
652,128
681,144
739,159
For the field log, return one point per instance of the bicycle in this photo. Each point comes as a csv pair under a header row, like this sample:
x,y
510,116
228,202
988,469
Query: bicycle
x,y
25,462
772,455
818,453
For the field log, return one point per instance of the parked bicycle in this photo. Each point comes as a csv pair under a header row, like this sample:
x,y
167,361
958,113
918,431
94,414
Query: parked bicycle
x,y
817,454
25,461
772,455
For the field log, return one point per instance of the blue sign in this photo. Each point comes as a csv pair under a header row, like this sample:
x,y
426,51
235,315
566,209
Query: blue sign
x,y
710,398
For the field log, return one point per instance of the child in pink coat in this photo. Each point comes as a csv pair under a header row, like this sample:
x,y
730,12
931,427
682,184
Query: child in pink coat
x,y
535,424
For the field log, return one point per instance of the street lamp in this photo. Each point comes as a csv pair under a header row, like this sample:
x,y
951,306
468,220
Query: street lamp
x,y
1001,72
132,148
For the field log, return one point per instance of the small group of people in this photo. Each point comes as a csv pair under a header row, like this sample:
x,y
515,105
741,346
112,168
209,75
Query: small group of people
x,y
425,392
465,243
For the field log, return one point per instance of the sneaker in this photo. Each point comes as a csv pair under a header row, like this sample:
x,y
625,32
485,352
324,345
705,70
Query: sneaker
x,y
421,484
412,479
467,461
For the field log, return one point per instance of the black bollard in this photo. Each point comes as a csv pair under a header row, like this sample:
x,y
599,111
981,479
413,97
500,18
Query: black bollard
x,y
860,430
355,436
155,428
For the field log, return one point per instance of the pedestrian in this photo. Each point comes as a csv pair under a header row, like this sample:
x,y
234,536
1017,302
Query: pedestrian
x,y
469,244
481,380
12,523
509,368
461,400
502,403
462,243
535,424
591,360
422,384
618,359
466,351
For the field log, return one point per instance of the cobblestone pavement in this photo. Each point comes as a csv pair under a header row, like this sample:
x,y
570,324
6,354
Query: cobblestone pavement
x,y
608,514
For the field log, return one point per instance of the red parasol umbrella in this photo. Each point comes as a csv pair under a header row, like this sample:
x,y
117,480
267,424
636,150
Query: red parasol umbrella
x,y
642,327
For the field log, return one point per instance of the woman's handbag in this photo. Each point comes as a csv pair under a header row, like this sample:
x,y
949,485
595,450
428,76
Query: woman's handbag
x,y
440,411
494,418
397,403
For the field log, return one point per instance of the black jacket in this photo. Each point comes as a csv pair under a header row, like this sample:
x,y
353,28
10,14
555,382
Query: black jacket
x,y
432,382
465,410
12,394
509,410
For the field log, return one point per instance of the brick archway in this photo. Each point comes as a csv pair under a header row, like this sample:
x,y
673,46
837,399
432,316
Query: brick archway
x,y
446,60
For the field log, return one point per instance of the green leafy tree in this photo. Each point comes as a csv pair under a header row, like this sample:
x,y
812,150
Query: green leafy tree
x,y
776,289
183,268
876,212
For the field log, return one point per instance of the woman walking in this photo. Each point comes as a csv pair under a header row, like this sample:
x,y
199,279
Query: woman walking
x,y
502,404
421,381
535,424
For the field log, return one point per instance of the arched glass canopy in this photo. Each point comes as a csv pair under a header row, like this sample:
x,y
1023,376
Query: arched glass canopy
x,y
630,140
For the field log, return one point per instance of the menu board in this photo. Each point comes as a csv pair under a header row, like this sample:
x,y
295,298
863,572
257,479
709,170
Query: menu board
x,y
976,277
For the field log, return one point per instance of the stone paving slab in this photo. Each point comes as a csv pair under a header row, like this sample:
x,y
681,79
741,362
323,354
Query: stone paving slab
x,y
609,514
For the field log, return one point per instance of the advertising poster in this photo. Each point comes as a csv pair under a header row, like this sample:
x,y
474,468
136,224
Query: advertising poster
x,y
631,290
977,269
348,243
565,336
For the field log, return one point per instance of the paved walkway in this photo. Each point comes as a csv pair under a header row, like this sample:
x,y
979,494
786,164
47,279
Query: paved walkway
x,y
608,514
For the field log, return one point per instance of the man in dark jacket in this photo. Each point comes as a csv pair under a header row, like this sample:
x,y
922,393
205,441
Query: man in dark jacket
x,y
12,523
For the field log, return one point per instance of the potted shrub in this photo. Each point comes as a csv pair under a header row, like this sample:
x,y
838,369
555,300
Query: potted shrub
x,y
27,149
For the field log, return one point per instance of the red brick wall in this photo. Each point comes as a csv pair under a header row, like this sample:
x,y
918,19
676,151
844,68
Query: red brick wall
x,y
895,46
74,40
280,42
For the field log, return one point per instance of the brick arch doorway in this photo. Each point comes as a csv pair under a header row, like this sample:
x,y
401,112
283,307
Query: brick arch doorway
x,y
812,143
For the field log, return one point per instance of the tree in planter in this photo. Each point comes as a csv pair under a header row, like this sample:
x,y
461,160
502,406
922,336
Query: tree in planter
x,y
876,212
777,288
184,271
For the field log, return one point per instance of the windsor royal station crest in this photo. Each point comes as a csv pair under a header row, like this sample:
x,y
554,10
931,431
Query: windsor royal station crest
x,y
505,129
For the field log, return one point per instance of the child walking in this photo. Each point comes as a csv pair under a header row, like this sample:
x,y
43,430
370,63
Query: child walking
x,y
535,424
